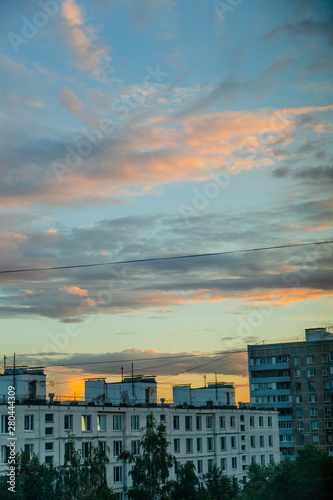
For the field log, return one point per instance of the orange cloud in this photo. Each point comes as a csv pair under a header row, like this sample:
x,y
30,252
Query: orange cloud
x,y
89,56
74,290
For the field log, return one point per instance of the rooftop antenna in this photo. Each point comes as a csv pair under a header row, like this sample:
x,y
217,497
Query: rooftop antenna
x,y
132,379
4,363
122,374
205,377
216,385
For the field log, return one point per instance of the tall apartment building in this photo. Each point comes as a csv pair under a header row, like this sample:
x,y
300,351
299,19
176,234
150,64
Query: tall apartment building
x,y
296,378
206,433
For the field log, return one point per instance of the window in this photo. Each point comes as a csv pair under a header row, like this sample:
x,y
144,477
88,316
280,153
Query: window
x,y
233,441
199,444
177,467
271,459
49,431
242,428
309,360
223,443
314,425
299,399
28,422
234,463
327,398
313,412
300,412
296,360
210,463
269,421
5,450
327,412
117,422
4,424
163,418
29,449
49,418
117,474
326,385
210,444
324,358
135,447
270,440
253,459
253,441
232,421
117,448
188,423
300,426
251,421
48,446
262,459
199,467
68,422
222,422
285,424
176,445
242,418
325,372
101,422
176,422
298,387
102,446
86,423
310,372
198,422
49,460
262,441
223,464
86,448
209,422
135,422
261,421
189,445
297,373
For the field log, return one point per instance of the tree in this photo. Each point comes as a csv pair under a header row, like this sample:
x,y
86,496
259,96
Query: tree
x,y
309,476
76,479
187,484
151,468
220,486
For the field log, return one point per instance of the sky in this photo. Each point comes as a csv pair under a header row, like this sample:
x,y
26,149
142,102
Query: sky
x,y
144,129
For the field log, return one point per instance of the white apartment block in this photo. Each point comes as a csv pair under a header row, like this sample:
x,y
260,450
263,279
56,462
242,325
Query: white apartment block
x,y
227,436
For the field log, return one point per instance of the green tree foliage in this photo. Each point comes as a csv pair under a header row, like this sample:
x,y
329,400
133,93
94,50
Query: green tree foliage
x,y
151,468
187,484
220,486
76,480
309,477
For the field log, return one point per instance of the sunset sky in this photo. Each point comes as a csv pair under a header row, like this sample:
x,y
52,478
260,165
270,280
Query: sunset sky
x,y
158,128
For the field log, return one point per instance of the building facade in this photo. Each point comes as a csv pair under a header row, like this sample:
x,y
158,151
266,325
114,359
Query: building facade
x,y
296,378
227,436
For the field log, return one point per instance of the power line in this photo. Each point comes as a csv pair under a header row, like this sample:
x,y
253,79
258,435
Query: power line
x,y
174,257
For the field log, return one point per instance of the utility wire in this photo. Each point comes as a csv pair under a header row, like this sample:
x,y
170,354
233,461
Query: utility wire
x,y
174,257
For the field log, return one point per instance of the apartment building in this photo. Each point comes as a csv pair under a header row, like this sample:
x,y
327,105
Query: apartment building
x,y
296,378
220,434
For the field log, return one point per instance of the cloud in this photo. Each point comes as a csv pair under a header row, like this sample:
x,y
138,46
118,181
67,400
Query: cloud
x,y
90,56
144,155
74,290
278,277
318,175
166,364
